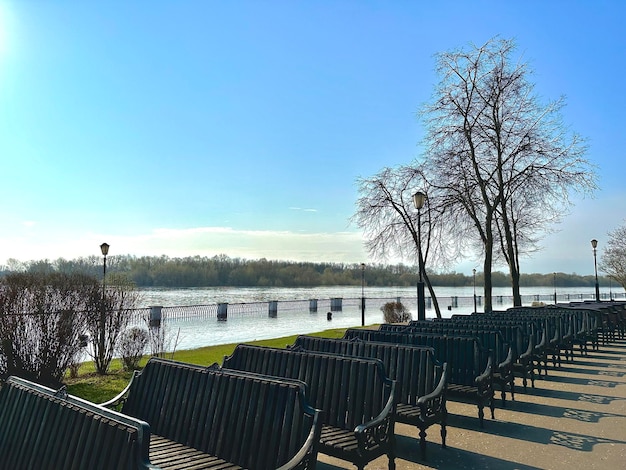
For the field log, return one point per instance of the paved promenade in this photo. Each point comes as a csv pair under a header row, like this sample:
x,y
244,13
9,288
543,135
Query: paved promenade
x,y
573,419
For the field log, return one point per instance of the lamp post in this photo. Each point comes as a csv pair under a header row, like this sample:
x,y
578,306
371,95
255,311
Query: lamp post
x,y
418,201
554,281
594,244
104,248
474,272
362,294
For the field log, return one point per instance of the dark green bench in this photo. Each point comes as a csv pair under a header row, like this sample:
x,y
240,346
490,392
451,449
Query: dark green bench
x,y
503,353
420,378
204,417
355,394
516,334
536,362
45,429
470,366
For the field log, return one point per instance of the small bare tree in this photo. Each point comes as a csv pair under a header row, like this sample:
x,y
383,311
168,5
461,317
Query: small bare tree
x,y
613,260
109,315
389,221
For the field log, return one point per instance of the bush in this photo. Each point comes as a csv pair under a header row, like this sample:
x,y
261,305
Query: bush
x,y
42,316
395,312
132,345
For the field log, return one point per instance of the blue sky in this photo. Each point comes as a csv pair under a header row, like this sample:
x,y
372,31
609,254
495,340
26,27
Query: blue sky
x,y
206,127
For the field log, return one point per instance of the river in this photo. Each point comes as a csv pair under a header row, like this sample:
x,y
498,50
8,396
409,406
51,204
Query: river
x,y
193,333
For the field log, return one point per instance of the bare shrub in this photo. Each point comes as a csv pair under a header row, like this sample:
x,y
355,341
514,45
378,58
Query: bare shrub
x,y
131,347
395,312
42,316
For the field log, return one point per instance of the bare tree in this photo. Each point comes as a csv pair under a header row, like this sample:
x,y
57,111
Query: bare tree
x,y
386,214
613,260
116,307
503,162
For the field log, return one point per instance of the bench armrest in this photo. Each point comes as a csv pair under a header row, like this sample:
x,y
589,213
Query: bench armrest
x,y
120,397
435,401
307,455
508,362
527,355
485,378
380,429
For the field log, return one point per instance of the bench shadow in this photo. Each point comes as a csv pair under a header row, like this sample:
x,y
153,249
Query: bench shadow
x,y
582,381
536,434
571,396
451,458
562,412
600,369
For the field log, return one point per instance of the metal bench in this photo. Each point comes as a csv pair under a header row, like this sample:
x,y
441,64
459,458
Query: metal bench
x,y
210,418
355,394
469,365
503,352
420,379
46,429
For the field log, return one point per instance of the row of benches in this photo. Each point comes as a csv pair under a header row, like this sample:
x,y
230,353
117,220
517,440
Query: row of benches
x,y
254,411
242,415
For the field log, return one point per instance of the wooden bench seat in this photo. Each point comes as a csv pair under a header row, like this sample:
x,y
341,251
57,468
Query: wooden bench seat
x,y
205,417
45,429
420,379
357,398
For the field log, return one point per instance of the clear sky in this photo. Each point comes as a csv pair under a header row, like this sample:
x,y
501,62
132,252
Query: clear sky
x,y
209,127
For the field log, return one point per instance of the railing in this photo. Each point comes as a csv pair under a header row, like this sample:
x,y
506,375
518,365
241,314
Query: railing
x,y
447,305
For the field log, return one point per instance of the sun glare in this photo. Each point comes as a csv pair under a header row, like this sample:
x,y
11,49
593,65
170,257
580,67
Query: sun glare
x,y
4,28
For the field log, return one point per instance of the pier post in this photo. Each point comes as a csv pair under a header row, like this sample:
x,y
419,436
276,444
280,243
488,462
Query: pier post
x,y
273,308
222,311
155,316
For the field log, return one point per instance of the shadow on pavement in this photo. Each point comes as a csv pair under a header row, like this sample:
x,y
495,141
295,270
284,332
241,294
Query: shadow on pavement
x,y
536,434
452,458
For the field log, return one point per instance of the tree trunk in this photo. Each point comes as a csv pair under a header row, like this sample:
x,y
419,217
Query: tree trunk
x,y
433,296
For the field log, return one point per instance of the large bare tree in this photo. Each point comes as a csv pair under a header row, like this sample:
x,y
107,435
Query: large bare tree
x,y
503,162
613,260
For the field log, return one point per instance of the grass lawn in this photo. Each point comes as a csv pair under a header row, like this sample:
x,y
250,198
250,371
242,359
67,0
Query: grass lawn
x,y
97,388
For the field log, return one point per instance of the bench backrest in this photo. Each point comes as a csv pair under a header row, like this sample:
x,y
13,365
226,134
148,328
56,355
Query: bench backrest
x,y
512,333
466,358
415,368
489,338
350,390
255,422
44,429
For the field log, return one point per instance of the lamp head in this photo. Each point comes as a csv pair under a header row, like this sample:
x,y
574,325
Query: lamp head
x,y
594,243
418,200
105,249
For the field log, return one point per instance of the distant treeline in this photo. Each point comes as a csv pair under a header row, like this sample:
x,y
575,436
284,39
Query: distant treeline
x,y
221,270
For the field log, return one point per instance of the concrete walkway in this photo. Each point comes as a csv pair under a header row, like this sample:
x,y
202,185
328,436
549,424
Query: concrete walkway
x,y
575,418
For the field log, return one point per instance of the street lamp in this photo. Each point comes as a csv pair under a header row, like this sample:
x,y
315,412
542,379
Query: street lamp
x,y
474,272
362,294
418,201
104,248
554,281
594,244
